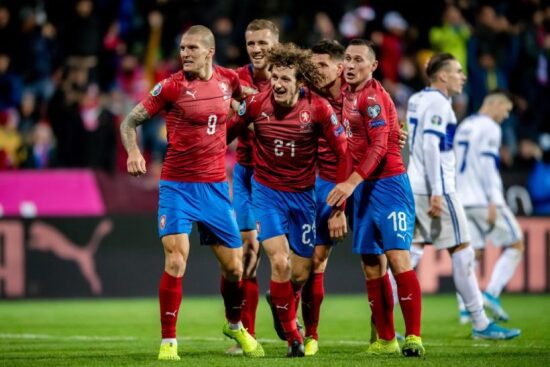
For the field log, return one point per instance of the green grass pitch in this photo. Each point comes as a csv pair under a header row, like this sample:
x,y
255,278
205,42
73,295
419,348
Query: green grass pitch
x,y
125,332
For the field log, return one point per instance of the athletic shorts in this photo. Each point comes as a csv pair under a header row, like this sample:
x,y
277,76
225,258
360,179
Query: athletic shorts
x,y
182,203
449,230
289,213
242,197
505,232
322,188
383,215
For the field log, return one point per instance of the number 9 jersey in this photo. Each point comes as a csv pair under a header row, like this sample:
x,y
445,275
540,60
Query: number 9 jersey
x,y
196,112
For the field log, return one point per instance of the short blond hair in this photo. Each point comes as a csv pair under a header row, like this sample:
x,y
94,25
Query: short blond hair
x,y
205,32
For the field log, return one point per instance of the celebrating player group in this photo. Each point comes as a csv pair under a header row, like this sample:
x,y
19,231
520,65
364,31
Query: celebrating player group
x,y
318,152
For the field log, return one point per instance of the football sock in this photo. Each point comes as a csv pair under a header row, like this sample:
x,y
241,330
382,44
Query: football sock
x,y
312,297
466,284
460,301
393,286
297,289
250,304
504,271
232,293
410,299
380,310
282,298
170,293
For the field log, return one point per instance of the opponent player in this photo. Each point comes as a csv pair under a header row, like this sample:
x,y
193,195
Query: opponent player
x,y
287,122
260,36
479,188
383,201
440,218
196,101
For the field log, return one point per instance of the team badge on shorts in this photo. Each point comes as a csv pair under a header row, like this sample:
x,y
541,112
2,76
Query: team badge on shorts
x,y
156,90
373,111
258,226
162,222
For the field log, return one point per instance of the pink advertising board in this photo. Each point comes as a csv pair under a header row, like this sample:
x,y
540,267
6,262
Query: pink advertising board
x,y
50,193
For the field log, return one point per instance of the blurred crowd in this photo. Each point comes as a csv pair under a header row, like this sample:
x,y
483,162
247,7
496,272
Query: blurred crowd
x,y
71,69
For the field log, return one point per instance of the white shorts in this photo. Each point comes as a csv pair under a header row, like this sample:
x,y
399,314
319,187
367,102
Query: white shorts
x,y
449,230
505,232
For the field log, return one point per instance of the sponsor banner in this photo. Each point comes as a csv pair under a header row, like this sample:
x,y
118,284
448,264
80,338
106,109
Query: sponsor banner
x,y
121,256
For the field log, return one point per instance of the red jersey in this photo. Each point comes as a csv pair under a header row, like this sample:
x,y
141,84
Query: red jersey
x,y
244,143
285,147
196,113
327,160
372,128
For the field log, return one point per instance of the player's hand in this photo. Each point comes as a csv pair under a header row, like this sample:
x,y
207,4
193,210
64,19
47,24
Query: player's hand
x,y
436,206
247,91
136,163
338,195
337,225
492,215
403,135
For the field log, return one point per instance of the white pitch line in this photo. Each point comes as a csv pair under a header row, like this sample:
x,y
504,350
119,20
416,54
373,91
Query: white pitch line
x,y
262,340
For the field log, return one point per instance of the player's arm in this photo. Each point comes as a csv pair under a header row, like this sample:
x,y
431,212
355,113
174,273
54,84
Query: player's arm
x,y
488,160
128,132
377,126
160,96
435,125
238,121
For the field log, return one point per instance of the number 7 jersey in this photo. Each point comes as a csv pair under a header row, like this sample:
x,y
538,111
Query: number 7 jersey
x,y
196,112
430,112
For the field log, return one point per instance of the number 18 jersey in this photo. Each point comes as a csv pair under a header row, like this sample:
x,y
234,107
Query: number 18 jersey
x,y
196,113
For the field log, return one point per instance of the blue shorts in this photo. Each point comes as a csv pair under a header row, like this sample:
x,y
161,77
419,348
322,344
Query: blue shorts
x,y
242,197
182,203
322,188
383,216
289,213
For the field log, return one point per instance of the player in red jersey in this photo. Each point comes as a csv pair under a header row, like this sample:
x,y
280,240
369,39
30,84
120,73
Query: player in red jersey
x,y
261,35
384,212
196,102
287,123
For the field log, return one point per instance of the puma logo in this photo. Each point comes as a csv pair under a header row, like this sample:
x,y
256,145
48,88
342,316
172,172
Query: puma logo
x,y
408,298
266,115
173,314
191,93
284,307
44,237
401,236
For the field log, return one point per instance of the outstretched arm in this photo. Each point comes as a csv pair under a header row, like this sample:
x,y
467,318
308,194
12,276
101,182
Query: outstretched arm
x,y
136,162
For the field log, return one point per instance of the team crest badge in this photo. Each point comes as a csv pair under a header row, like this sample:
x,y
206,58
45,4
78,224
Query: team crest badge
x,y
373,111
162,222
305,116
156,90
224,87
242,109
258,226
436,120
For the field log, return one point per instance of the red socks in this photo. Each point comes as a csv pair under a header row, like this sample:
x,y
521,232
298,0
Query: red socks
x,y
313,294
232,293
381,305
170,293
410,300
251,294
282,297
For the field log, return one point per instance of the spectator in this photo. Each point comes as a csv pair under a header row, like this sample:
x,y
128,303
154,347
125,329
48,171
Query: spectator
x,y
11,86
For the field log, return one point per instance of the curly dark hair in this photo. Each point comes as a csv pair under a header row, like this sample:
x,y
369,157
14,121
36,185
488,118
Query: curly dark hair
x,y
291,56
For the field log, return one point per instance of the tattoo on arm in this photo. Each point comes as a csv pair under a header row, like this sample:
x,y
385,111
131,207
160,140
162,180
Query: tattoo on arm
x,y
136,117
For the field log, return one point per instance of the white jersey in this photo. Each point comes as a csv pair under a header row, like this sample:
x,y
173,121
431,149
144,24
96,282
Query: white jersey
x,y
432,122
476,147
